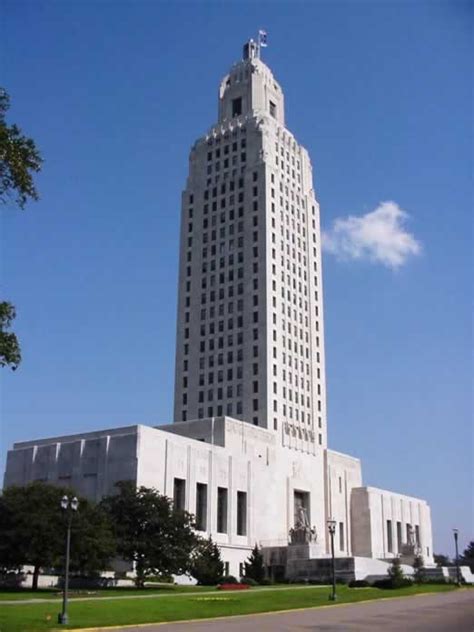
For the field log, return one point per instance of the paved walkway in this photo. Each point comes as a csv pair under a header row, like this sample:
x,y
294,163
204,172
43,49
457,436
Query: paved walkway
x,y
437,612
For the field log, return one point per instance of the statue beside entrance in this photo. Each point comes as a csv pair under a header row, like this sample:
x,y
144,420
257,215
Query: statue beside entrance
x,y
302,533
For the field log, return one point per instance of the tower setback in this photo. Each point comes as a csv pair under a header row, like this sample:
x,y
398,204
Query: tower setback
x,y
250,334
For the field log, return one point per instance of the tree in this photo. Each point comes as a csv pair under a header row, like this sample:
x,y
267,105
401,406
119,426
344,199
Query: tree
x,y
254,567
93,544
33,531
149,532
395,573
207,566
442,560
10,354
419,568
467,557
19,159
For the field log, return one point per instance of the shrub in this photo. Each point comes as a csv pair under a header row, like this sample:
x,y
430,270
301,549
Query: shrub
x,y
383,583
228,579
160,578
359,583
390,583
249,581
206,564
265,582
419,568
254,566
396,576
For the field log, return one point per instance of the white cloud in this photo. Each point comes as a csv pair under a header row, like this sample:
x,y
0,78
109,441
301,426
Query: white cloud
x,y
378,236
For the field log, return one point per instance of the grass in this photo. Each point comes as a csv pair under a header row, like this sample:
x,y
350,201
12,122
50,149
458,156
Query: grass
x,y
95,613
56,593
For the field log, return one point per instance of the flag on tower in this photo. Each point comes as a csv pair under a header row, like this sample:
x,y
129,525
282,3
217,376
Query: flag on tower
x,y
262,39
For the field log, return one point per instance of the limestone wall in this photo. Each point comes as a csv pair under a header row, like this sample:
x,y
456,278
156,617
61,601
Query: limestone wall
x,y
388,516
343,474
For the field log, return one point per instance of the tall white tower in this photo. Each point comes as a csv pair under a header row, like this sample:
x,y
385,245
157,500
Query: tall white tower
x,y
250,335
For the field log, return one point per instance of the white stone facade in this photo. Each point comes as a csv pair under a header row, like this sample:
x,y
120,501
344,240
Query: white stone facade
x,y
248,450
244,461
250,315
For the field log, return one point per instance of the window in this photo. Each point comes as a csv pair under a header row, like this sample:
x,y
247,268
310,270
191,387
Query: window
x,y
241,513
399,536
179,494
221,510
201,506
272,109
341,536
417,535
389,537
236,108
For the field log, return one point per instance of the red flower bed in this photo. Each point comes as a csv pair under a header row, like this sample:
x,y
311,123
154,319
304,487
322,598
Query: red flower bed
x,y
233,587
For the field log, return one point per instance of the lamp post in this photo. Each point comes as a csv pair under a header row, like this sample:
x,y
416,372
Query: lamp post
x,y
332,530
69,505
458,579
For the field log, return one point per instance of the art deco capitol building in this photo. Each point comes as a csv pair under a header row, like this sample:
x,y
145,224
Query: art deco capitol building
x,y
247,453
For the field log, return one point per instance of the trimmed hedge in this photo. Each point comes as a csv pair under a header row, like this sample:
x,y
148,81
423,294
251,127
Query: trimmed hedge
x,y
249,581
390,583
228,579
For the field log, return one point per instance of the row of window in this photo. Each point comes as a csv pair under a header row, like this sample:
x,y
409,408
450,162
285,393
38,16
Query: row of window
x,y
229,374
215,191
179,503
281,150
229,357
229,409
293,413
409,536
225,219
286,168
226,149
226,163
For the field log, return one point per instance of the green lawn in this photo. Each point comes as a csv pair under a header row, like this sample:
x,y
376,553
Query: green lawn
x,y
55,593
94,613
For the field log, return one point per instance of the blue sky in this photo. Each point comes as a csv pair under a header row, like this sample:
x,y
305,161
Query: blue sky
x,y
115,93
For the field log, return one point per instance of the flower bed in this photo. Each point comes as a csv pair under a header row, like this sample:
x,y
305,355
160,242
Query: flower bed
x,y
233,587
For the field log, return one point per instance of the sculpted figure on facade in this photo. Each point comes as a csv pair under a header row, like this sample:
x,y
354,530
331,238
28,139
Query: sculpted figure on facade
x,y
302,533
